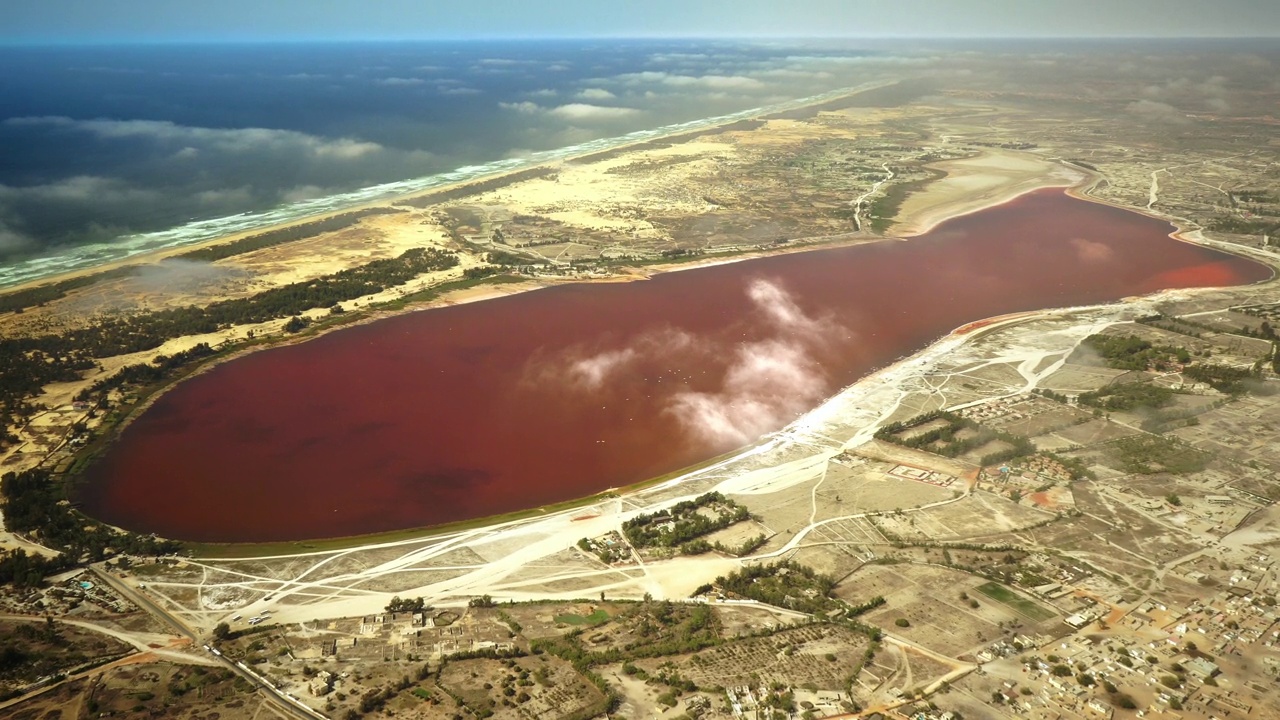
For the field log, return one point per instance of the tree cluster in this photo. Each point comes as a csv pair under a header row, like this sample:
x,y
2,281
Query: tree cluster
x,y
1129,352
34,503
1127,396
686,524
785,584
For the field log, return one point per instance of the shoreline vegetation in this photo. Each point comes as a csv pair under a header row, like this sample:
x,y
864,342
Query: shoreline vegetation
x,y
150,381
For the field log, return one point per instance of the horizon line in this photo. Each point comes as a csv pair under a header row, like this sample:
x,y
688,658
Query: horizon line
x,y
122,41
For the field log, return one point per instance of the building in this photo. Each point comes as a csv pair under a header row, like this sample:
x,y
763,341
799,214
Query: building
x,y
1201,667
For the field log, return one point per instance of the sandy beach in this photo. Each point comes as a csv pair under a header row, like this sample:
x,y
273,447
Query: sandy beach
x,y
450,189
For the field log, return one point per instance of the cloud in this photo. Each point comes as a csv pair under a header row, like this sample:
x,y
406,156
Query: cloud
x,y
757,375
304,192
81,188
769,381
524,108
394,81
573,112
1156,111
847,60
164,173
12,241
583,112
714,82
227,196
1091,252
344,149
185,275
592,372
676,57
221,139
596,94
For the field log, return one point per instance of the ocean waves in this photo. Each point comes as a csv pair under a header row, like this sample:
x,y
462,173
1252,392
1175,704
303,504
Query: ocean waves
x,y
125,247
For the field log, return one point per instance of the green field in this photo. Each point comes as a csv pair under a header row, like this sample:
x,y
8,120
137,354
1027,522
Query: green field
x,y
1023,606
594,618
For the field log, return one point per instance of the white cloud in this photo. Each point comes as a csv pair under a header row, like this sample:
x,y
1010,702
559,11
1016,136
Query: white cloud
x,y
596,94
12,241
764,381
524,108
191,139
394,81
81,188
583,112
240,195
573,112
1156,111
715,82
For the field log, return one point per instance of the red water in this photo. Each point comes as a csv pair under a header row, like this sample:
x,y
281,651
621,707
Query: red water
x,y
479,409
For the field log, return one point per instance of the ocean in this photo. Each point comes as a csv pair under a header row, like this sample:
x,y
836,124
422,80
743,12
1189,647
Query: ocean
x,y
113,151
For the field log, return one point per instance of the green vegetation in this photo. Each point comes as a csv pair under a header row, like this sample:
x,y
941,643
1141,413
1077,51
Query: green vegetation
x,y
785,584
406,605
659,628
1241,226
27,364
1074,466
34,504
1127,396
945,441
594,618
1226,380
1128,352
1050,394
161,368
30,651
1150,454
884,209
1004,595
684,523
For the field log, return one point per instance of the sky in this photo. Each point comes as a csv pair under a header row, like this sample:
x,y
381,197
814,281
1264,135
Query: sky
x,y
97,21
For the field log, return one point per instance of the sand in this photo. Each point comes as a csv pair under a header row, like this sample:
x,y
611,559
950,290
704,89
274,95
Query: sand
x,y
971,184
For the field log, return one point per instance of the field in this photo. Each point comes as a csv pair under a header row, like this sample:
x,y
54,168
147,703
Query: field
x,y
818,655
513,688
948,621
1022,605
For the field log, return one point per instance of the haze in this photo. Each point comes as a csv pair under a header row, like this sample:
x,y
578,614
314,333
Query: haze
x,y
64,21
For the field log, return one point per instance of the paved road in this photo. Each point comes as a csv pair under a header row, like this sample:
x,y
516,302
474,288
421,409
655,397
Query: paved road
x,y
289,706
144,602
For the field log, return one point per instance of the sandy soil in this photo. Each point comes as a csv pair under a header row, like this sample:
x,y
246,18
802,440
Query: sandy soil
x,y
975,183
